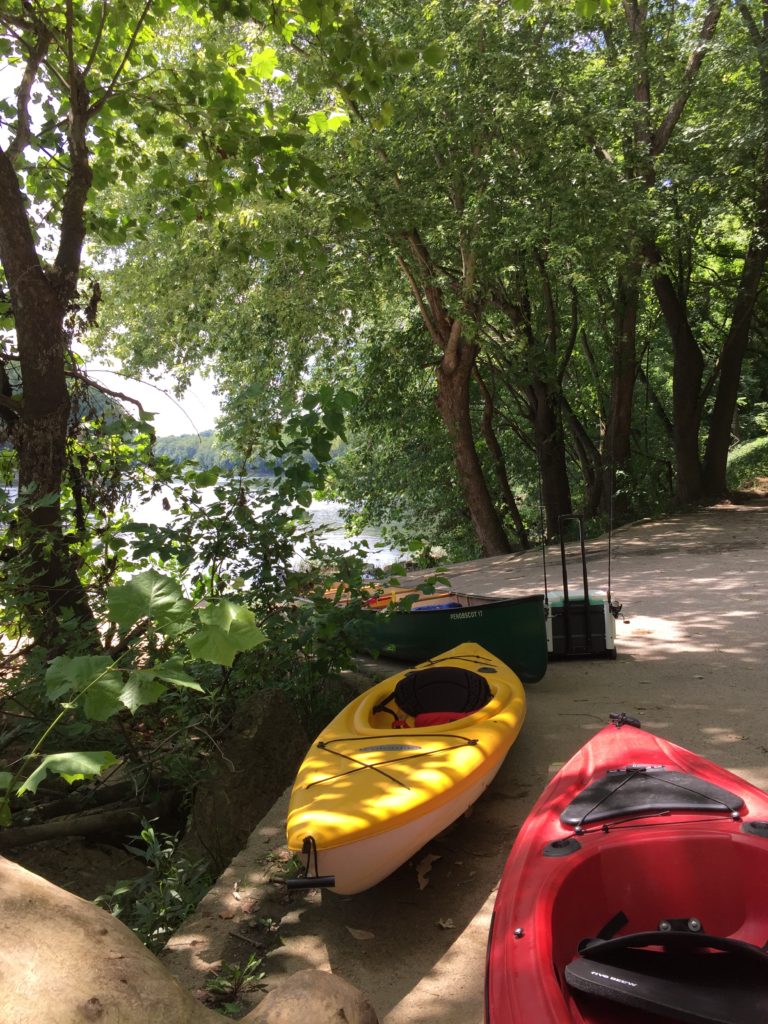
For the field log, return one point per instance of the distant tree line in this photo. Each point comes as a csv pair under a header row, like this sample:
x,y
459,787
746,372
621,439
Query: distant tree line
x,y
207,451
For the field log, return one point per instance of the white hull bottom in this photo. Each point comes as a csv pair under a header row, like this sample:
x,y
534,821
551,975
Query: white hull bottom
x,y
357,866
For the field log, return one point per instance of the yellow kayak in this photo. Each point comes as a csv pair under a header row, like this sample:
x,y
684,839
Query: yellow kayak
x,y
399,764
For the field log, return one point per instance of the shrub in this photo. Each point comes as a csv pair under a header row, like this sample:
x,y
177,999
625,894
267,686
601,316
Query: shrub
x,y
747,462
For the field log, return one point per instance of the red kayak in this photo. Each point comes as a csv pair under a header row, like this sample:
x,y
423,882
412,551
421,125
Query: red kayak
x,y
636,891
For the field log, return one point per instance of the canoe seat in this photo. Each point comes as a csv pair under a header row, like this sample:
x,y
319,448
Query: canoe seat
x,y
431,690
686,981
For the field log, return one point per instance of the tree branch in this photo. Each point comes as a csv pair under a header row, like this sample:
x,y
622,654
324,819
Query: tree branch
x,y
573,334
416,291
97,38
24,131
674,111
79,375
96,107
17,245
655,402
72,236
553,325
441,321
10,403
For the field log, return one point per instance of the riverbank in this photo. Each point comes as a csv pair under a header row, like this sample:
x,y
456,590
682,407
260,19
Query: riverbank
x,y
692,648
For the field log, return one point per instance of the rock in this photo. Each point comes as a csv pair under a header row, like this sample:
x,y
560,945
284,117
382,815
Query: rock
x,y
313,997
257,759
65,961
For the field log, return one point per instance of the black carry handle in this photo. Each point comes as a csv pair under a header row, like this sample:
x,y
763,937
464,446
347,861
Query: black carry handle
x,y
316,882
566,599
675,939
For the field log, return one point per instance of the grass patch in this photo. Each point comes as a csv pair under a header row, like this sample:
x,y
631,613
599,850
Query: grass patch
x,y
746,463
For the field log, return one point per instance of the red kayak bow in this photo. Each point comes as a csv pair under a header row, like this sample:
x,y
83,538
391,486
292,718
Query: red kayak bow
x,y
637,890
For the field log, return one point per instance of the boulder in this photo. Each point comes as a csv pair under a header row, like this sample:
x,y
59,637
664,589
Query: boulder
x,y
313,996
63,960
257,758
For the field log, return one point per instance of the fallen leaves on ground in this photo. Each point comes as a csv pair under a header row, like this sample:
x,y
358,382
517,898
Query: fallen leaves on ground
x,y
424,867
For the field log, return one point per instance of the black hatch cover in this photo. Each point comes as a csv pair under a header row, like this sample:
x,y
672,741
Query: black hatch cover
x,y
646,789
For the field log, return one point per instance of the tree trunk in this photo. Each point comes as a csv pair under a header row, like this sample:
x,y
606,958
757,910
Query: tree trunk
x,y
718,441
500,465
53,587
647,142
687,373
453,376
616,448
589,461
550,449
714,483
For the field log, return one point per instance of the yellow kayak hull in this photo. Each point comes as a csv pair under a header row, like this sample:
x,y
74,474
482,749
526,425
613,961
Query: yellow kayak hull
x,y
368,796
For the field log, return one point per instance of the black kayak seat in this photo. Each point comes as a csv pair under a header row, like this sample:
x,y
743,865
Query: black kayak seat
x,y
685,982
646,789
439,689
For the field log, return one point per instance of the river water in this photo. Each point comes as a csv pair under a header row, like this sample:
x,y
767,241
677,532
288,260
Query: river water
x,y
324,515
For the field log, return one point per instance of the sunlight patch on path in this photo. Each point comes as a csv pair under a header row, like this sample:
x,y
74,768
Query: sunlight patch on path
x,y
456,979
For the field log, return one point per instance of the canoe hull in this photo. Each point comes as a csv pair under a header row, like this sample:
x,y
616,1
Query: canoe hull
x,y
514,630
369,795
561,886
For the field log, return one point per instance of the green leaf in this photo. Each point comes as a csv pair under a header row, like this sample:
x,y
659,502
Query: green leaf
x,y
337,119
66,674
589,8
171,671
264,63
141,688
237,620
148,594
206,478
357,216
317,122
434,55
224,613
405,59
311,9
102,699
212,643
71,766
266,249
228,629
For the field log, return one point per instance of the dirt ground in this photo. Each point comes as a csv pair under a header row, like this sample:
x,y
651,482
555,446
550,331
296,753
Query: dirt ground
x,y
692,650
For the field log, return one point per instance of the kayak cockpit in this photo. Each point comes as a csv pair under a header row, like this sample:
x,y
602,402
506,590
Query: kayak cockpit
x,y
615,909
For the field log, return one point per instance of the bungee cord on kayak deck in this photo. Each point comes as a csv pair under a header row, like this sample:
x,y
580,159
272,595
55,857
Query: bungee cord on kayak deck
x,y
464,742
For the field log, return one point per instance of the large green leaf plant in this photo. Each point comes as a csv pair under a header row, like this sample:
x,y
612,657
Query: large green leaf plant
x,y
100,687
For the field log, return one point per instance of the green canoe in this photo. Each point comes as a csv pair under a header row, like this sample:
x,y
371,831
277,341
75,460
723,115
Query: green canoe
x,y
514,629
